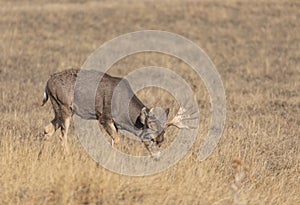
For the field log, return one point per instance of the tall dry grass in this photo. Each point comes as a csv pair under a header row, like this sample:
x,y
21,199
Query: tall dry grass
x,y
255,46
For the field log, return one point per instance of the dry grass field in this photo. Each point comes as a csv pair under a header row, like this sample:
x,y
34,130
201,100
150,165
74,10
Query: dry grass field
x,y
255,46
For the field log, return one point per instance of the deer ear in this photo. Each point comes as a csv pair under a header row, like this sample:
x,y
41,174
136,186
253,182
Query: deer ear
x,y
143,115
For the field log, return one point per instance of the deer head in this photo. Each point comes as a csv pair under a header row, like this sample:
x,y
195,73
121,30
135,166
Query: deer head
x,y
154,128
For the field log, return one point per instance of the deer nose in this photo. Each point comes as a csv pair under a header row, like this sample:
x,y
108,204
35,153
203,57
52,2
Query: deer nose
x,y
156,155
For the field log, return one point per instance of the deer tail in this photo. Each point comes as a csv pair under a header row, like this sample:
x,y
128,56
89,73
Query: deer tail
x,y
46,96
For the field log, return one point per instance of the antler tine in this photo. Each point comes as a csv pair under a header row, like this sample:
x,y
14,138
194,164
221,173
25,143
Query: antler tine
x,y
185,116
177,121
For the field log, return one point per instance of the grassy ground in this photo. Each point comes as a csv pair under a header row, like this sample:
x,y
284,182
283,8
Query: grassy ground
x,y
255,46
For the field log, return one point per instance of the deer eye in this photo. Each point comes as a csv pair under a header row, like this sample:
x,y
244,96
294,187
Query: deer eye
x,y
160,138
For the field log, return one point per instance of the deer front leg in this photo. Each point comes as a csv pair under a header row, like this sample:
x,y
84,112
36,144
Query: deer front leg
x,y
111,129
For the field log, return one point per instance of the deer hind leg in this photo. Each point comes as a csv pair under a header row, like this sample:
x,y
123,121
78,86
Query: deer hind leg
x,y
65,123
111,129
50,129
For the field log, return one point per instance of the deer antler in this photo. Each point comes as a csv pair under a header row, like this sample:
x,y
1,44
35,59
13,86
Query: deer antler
x,y
177,121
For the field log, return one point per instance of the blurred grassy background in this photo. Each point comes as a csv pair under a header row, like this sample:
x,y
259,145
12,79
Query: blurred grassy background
x,y
255,47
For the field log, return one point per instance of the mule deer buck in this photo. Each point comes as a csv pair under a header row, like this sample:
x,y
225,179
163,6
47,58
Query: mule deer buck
x,y
134,117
